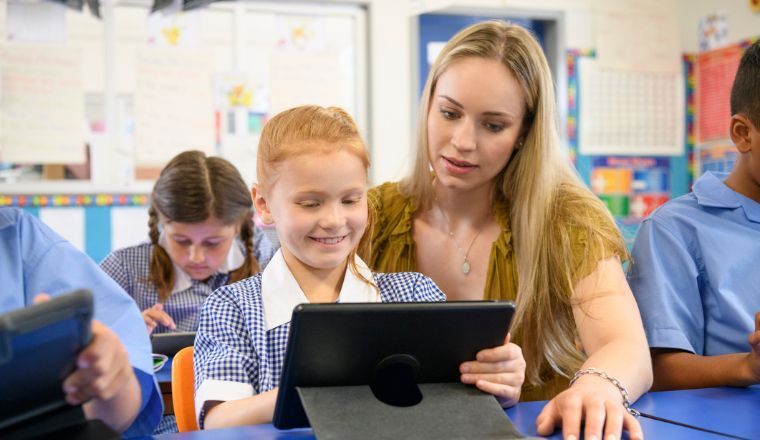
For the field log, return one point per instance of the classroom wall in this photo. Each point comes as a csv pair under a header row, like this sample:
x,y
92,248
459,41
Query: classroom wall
x,y
393,70
742,23
392,76
393,67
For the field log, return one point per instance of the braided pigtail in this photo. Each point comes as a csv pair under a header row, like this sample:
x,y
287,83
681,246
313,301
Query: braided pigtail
x,y
250,266
161,270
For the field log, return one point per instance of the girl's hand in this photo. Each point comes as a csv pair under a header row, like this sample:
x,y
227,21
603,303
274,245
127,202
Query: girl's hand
x,y
499,371
599,401
156,315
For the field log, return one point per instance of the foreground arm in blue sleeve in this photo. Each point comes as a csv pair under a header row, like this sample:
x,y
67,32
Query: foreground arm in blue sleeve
x,y
125,394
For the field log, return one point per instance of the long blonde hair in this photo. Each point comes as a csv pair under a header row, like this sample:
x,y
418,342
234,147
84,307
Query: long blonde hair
x,y
546,199
306,130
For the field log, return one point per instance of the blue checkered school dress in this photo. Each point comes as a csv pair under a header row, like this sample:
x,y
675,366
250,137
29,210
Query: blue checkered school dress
x,y
129,267
233,344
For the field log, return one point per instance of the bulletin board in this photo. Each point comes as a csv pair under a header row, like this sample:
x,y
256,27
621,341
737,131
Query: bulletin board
x,y
155,85
159,84
632,186
715,71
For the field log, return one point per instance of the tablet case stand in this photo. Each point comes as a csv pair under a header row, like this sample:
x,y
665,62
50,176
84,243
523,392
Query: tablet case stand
x,y
394,406
64,422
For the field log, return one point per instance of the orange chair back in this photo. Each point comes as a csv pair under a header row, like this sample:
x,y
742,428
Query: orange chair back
x,y
183,390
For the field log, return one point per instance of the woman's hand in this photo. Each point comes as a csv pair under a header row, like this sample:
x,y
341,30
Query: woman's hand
x,y
600,402
156,315
499,371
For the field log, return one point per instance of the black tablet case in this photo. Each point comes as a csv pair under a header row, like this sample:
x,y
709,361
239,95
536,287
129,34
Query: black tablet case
x,y
343,359
170,343
38,348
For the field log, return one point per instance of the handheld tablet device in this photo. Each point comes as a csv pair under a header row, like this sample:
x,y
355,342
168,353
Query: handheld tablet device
x,y
38,349
170,343
376,344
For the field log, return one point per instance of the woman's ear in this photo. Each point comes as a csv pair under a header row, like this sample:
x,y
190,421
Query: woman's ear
x,y
261,206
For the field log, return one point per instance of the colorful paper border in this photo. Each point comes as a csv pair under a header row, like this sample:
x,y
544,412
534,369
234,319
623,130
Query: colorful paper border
x,y
73,200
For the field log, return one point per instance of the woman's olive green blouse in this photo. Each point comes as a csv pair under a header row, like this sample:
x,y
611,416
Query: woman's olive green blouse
x,y
393,250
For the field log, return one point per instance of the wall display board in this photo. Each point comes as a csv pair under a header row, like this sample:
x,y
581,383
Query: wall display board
x,y
112,99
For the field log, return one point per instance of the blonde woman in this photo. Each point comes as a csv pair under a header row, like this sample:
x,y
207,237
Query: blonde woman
x,y
503,215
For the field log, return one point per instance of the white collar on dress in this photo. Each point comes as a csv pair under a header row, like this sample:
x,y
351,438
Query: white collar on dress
x,y
280,291
182,280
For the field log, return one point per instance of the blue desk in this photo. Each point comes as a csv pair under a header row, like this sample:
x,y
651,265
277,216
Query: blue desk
x,y
732,410
164,375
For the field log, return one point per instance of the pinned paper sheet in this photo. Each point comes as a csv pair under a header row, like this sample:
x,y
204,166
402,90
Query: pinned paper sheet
x,y
42,119
173,104
716,156
299,79
42,22
713,31
715,74
627,113
638,35
181,29
301,33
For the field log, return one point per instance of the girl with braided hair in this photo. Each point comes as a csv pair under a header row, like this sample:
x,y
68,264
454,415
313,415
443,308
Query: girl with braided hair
x,y
201,238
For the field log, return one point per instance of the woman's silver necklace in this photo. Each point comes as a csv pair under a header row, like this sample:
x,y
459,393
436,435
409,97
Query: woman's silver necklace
x,y
465,268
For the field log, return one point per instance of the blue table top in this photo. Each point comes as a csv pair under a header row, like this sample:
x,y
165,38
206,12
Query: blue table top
x,y
165,373
735,411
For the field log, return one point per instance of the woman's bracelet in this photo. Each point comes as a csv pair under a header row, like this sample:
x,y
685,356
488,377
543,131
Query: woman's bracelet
x,y
613,381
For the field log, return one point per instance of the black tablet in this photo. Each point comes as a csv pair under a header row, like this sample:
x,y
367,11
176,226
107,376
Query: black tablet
x,y
365,344
38,349
170,343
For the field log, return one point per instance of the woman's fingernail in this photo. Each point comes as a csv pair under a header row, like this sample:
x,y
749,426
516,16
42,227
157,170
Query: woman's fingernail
x,y
571,437
611,437
593,437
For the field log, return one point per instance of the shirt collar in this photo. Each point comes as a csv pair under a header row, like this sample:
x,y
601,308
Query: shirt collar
x,y
711,191
280,291
182,280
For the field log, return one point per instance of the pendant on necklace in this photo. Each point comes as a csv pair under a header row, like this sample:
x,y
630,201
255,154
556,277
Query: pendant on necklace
x,y
466,267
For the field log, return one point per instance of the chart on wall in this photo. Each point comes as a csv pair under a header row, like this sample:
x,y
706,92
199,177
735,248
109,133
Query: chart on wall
x,y
631,187
715,73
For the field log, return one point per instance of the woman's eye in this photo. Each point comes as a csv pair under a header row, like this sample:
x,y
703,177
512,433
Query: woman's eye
x,y
308,204
495,128
449,114
350,201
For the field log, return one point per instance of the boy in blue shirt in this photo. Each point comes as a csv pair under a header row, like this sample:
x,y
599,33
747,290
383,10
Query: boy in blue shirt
x,y
695,270
114,376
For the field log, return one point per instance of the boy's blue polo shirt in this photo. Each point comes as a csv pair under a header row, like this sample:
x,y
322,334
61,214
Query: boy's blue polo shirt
x,y
34,259
696,270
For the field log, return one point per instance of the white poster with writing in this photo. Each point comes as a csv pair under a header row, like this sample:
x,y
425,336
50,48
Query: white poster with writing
x,y
638,35
174,108
42,117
